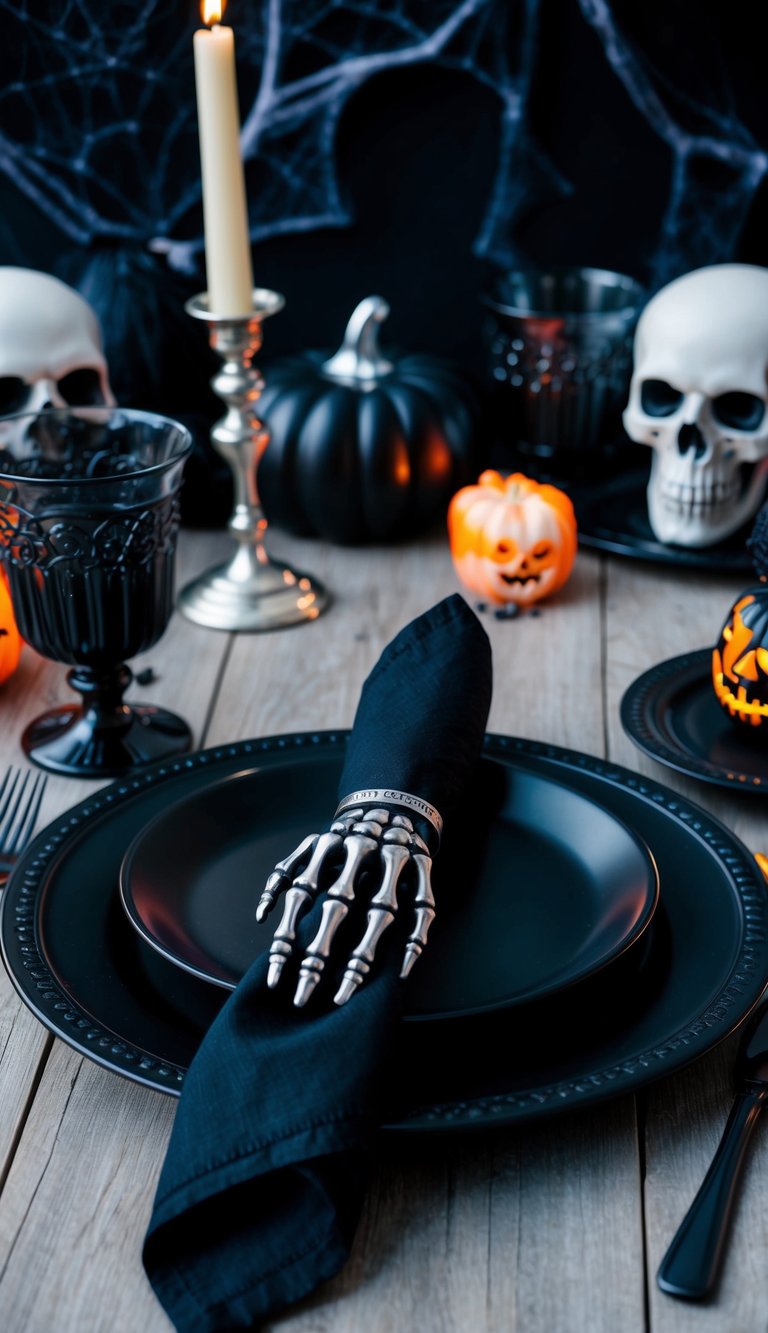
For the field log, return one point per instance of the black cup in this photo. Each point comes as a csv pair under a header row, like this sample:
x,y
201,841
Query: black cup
x,y
560,359
89,515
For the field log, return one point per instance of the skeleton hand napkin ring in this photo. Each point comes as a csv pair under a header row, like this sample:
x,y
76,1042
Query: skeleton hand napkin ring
x,y
364,836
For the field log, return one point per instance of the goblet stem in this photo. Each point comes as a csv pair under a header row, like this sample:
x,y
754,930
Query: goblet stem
x,y
104,736
252,591
102,694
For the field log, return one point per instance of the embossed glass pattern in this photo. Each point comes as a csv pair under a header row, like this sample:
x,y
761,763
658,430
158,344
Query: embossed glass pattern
x,y
560,356
89,516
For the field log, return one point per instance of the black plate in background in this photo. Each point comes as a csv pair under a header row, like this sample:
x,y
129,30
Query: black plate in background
x,y
78,964
557,887
613,516
672,714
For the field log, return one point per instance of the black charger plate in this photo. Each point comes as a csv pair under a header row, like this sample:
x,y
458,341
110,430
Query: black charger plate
x,y
557,887
671,714
80,966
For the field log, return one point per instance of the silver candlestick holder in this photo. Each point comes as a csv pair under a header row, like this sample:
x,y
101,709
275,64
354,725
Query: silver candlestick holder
x,y
252,591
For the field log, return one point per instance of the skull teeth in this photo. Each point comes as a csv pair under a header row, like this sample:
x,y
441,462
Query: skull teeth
x,y
697,499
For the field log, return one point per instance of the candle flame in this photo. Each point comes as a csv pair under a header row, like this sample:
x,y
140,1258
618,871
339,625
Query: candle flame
x,y
212,10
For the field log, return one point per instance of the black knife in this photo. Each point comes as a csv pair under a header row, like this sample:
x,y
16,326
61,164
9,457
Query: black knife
x,y
691,1265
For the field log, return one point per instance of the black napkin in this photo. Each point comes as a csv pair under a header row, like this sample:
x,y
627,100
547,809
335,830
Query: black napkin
x,y
266,1169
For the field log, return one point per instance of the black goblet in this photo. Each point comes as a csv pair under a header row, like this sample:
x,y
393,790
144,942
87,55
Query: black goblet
x,y
89,515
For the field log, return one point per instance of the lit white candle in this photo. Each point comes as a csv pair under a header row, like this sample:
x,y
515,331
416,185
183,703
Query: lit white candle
x,y
225,212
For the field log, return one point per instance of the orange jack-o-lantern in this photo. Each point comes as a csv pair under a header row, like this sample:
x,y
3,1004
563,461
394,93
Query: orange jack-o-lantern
x,y
740,660
512,539
10,640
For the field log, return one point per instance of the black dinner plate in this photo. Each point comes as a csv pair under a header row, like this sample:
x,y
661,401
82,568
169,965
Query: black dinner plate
x,y
559,887
613,516
672,714
80,966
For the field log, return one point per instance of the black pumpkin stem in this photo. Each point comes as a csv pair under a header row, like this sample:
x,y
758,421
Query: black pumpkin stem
x,y
757,544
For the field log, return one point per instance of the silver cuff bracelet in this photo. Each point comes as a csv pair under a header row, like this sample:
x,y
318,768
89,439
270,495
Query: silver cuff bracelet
x,y
388,796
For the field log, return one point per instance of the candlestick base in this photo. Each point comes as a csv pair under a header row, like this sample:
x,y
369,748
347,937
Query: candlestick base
x,y
251,592
272,597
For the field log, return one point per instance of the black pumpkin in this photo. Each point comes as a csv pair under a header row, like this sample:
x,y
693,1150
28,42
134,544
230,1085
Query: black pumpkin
x,y
363,449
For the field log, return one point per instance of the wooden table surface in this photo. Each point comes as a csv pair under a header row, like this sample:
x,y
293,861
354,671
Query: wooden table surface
x,y
556,1226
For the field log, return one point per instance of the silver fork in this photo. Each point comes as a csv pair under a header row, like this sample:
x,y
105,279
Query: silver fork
x,y
21,795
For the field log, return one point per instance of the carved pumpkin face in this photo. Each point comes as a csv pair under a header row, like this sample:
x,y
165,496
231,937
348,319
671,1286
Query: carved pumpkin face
x,y
740,660
512,539
10,639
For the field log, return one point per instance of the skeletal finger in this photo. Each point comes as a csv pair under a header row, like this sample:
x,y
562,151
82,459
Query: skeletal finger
x,y
358,849
416,841
281,876
424,902
345,821
297,900
381,914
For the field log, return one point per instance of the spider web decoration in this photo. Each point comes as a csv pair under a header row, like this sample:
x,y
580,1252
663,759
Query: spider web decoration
x,y
103,132
99,127
716,164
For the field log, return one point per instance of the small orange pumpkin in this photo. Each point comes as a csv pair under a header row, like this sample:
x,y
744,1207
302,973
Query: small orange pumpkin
x,y
512,539
10,639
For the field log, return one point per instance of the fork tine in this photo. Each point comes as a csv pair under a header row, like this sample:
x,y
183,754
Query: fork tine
x,y
9,795
20,802
28,817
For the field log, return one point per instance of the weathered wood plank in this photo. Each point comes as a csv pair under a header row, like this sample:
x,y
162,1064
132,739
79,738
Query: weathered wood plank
x,y
516,1233
77,1202
685,1120
536,1229
187,663
24,1045
518,1238
654,614
547,681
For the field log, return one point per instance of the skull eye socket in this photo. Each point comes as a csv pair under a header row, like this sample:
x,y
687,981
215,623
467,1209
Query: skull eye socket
x,y
659,399
13,394
739,411
81,388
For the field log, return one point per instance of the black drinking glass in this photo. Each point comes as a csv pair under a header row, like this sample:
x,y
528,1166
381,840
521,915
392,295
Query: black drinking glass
x,y
89,515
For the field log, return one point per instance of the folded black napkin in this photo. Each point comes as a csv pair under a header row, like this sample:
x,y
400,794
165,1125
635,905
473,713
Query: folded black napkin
x,y
266,1169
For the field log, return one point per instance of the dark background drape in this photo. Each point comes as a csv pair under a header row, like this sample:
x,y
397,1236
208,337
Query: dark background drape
x,y
417,150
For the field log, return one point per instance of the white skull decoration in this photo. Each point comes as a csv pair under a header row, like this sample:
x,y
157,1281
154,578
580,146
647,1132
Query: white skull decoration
x,y
699,398
50,345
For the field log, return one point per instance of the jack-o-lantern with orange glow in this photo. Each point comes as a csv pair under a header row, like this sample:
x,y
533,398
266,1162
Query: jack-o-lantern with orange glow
x,y
512,539
740,658
10,639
